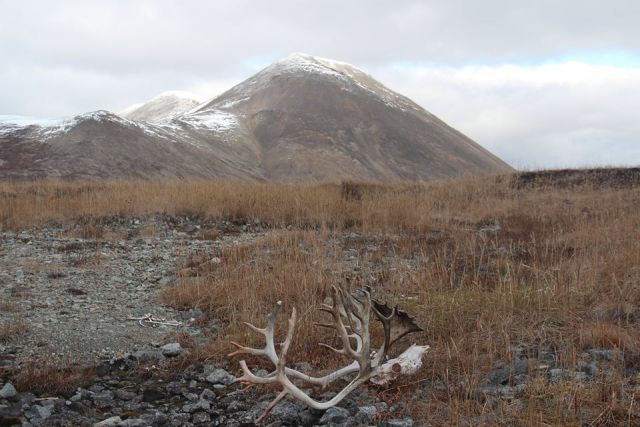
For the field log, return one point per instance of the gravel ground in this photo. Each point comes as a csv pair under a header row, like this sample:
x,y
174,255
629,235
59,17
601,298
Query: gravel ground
x,y
70,297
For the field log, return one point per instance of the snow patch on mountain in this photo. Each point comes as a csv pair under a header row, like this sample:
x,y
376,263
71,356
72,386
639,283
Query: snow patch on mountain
x,y
44,127
216,120
163,108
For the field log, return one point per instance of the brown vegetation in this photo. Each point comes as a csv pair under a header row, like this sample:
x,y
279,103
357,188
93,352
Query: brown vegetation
x,y
12,327
51,378
486,265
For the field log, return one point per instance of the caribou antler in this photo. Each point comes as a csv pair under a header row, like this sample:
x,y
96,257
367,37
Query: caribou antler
x,y
350,321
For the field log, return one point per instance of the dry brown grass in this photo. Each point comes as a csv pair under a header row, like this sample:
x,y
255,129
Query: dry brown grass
x,y
26,204
51,378
11,328
485,265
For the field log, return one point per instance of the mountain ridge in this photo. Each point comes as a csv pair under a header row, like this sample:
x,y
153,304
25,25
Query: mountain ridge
x,y
302,118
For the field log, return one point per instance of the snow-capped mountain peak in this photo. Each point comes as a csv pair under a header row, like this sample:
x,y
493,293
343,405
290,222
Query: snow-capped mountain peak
x,y
163,108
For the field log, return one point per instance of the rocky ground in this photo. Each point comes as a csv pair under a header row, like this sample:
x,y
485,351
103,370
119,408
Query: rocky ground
x,y
73,297
69,293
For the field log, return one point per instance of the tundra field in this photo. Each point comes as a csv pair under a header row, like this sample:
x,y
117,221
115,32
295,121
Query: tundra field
x,y
527,285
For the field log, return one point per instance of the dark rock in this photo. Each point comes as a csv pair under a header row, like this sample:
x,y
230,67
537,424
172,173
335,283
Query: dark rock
x,y
309,416
38,412
286,412
220,376
237,406
153,394
207,394
557,375
400,422
10,412
507,392
171,350
200,405
335,415
190,396
606,354
200,417
109,422
133,422
180,419
8,391
103,400
503,375
174,388
148,355
124,394
366,414
154,419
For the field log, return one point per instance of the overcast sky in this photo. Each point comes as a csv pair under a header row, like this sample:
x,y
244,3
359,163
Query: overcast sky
x,y
540,83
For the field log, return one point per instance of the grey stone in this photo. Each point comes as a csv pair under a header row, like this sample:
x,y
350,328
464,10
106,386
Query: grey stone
x,y
103,400
153,394
189,228
124,394
154,419
507,392
382,406
237,406
200,418
180,419
38,412
133,422
503,375
335,415
171,350
557,374
397,422
309,416
286,412
366,414
200,405
581,377
605,354
220,376
8,391
148,355
207,394
195,313
192,397
109,422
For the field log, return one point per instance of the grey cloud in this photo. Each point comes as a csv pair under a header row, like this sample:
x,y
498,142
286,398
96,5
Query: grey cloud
x,y
562,115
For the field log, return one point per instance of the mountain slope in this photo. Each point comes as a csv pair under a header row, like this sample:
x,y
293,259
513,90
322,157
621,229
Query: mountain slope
x,y
300,119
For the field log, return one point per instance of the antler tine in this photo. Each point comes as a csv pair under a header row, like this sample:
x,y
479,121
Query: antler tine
x,y
254,328
339,351
250,377
269,348
245,350
340,327
287,342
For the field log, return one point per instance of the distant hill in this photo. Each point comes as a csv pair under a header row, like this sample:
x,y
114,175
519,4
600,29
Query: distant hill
x,y
300,119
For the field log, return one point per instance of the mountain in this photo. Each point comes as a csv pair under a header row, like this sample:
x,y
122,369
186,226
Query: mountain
x,y
162,108
300,119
